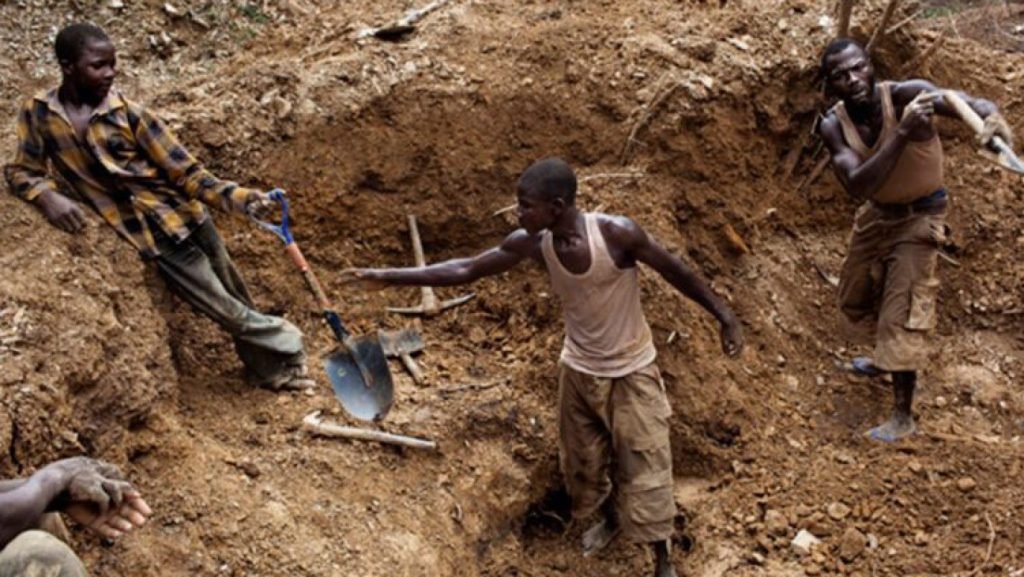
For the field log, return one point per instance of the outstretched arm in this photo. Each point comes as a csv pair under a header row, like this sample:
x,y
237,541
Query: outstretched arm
x,y
516,247
164,149
627,234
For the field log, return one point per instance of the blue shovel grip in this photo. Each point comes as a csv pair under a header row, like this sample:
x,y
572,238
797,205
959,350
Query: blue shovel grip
x,y
281,230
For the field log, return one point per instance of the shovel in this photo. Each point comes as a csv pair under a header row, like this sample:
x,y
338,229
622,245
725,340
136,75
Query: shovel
x,y
403,344
358,369
1003,155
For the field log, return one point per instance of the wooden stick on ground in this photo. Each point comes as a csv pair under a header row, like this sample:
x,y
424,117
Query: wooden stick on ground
x,y
879,31
924,56
845,7
991,542
646,116
813,176
895,27
313,424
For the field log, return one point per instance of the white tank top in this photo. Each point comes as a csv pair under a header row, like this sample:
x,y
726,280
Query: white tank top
x,y
606,334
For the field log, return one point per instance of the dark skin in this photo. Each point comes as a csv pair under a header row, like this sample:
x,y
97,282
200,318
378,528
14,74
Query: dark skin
x,y
91,492
86,82
851,77
628,244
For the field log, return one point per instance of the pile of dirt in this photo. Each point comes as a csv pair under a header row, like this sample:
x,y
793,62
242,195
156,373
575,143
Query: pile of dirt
x,y
693,121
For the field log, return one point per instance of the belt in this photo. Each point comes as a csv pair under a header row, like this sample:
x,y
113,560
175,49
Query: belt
x,y
932,203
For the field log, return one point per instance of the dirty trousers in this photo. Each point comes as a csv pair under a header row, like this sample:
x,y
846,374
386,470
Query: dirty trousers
x,y
40,553
888,285
200,271
614,444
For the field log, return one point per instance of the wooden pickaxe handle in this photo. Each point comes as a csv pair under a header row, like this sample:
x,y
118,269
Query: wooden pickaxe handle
x,y
429,299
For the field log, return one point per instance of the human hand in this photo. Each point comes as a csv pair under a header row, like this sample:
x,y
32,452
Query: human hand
x,y
259,205
918,114
132,514
995,125
367,279
61,211
731,335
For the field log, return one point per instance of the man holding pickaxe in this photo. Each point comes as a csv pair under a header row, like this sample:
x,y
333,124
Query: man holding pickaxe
x,y
886,152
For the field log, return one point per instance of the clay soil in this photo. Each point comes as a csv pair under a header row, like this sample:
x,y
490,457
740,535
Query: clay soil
x,y
99,358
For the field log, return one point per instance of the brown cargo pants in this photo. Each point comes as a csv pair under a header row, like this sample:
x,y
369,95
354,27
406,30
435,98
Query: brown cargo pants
x,y
614,443
40,553
888,285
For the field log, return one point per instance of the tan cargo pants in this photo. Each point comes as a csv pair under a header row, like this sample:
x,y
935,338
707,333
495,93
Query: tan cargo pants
x,y
888,285
614,443
41,553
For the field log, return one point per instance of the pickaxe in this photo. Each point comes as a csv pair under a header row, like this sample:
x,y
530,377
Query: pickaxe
x,y
1003,155
430,306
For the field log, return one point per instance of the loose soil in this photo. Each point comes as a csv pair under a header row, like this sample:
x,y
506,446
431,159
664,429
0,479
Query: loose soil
x,y
722,97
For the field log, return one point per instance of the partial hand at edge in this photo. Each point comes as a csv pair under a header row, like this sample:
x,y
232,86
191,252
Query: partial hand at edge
x,y
731,336
61,211
366,279
995,125
132,514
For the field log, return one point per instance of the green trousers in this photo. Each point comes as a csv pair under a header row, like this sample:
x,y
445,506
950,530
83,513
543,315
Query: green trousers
x,y
200,270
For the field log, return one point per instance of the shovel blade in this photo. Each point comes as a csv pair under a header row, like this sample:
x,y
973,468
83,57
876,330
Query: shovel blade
x,y
364,401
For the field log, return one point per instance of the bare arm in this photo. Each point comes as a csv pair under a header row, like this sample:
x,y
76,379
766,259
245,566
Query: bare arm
x,y
23,505
861,178
514,249
624,233
904,92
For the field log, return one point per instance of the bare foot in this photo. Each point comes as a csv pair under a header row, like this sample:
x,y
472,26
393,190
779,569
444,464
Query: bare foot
x,y
599,536
896,428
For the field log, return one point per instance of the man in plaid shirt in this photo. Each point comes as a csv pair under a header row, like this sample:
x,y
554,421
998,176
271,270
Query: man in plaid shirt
x,y
124,162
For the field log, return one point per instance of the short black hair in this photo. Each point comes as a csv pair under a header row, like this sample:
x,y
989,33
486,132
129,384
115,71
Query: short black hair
x,y
835,47
551,178
70,41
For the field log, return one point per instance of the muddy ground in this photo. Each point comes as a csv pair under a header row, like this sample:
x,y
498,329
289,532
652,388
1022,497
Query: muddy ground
x,y
719,98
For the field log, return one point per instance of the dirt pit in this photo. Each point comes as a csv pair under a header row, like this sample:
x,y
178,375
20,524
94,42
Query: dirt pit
x,y
694,121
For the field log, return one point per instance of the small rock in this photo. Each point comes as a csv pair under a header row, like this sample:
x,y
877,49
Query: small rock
x,y
940,402
756,558
171,10
776,522
804,542
844,458
851,544
915,467
966,484
838,511
921,538
872,541
116,4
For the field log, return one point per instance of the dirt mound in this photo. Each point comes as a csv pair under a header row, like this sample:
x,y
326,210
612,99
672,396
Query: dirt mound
x,y
693,121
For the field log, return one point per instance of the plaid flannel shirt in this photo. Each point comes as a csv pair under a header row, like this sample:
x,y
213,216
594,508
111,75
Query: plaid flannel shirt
x,y
129,168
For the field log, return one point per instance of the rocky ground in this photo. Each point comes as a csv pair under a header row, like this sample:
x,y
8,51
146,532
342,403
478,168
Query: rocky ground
x,y
694,118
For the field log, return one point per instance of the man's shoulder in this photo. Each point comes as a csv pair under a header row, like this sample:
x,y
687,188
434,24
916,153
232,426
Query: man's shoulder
x,y
619,229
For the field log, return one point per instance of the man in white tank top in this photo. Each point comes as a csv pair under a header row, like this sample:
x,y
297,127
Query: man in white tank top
x,y
887,154
612,402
